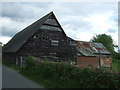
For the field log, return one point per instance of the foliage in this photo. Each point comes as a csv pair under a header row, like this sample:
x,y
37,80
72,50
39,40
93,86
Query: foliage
x,y
106,40
116,55
66,75
116,65
12,66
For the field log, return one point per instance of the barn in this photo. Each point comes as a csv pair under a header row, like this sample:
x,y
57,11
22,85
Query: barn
x,y
93,54
45,38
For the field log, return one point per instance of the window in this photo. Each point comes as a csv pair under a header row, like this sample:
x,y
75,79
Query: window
x,y
34,37
45,27
52,53
54,42
16,61
51,22
22,61
56,57
72,44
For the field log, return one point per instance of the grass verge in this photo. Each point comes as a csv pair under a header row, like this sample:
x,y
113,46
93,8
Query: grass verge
x,y
60,75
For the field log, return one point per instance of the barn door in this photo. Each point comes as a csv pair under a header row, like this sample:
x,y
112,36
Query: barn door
x,y
22,61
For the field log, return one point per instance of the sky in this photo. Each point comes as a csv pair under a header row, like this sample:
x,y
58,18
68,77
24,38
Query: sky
x,y
80,20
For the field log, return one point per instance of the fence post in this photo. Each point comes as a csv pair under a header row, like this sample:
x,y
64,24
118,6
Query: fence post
x,y
99,59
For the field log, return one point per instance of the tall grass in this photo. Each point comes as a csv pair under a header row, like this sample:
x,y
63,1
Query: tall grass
x,y
65,75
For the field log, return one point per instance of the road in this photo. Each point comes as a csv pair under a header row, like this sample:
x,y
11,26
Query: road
x,y
0,75
13,79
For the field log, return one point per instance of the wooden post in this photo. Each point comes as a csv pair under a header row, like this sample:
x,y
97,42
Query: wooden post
x,y
99,59
21,61
16,60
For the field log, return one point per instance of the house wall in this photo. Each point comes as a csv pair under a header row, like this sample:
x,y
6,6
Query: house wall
x,y
53,45
83,61
50,41
107,62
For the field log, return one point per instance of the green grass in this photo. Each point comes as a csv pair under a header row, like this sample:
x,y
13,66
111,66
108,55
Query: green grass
x,y
116,65
12,66
67,76
62,75
46,83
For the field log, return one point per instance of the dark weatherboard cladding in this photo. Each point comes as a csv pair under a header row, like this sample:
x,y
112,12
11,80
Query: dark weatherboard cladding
x,y
44,38
20,38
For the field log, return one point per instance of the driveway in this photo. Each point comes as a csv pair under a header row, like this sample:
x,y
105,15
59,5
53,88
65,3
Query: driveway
x,y
13,79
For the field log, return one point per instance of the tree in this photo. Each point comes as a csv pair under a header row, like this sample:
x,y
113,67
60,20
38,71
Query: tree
x,y
106,40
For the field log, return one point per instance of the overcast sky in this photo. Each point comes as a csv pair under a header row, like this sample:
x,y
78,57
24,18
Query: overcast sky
x,y
80,20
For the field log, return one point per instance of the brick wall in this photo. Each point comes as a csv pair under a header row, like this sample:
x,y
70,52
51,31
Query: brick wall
x,y
107,62
83,61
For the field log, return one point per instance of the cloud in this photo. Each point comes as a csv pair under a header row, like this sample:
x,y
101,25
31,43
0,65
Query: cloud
x,y
4,39
119,12
80,20
101,22
111,30
11,27
22,10
83,9
84,36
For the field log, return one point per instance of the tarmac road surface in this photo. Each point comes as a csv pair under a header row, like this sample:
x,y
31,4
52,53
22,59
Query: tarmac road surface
x,y
13,79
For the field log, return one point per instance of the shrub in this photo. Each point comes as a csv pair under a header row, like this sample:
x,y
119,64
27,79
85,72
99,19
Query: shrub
x,y
68,75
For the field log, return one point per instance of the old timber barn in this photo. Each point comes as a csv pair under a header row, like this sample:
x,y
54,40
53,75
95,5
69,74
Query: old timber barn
x,y
46,38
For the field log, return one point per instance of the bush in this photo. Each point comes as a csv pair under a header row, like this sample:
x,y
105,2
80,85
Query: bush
x,y
67,75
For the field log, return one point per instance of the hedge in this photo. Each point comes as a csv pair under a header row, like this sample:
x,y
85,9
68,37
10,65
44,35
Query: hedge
x,y
69,76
